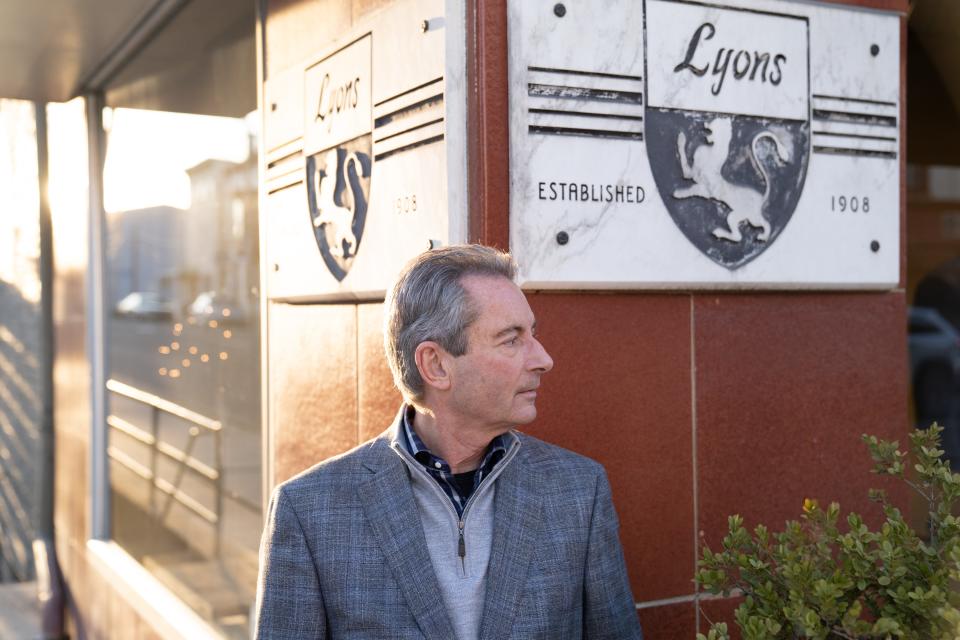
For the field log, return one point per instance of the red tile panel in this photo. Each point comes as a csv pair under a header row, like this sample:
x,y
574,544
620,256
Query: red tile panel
x,y
669,622
785,386
378,397
620,393
313,384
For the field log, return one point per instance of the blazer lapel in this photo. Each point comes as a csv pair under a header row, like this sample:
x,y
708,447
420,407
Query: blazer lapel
x,y
516,523
389,506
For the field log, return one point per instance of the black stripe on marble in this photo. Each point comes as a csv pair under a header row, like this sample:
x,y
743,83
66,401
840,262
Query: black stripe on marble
x,y
590,133
409,110
863,153
582,93
407,91
860,100
420,125
592,74
850,116
861,136
407,147
586,114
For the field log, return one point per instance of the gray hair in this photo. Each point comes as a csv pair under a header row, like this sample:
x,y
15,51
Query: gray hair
x,y
428,303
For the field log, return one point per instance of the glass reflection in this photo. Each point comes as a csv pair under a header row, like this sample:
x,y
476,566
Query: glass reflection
x,y
180,192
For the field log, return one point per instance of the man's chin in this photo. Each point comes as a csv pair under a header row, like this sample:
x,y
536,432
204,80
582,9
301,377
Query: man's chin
x,y
525,416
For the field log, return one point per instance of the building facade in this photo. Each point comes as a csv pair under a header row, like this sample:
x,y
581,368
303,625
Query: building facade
x,y
253,174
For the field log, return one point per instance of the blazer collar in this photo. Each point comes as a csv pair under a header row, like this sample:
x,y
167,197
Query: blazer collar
x,y
516,527
389,506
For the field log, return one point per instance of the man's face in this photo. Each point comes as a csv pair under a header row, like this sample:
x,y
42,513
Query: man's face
x,y
493,384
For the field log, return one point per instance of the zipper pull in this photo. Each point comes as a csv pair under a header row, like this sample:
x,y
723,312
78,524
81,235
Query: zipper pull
x,y
462,547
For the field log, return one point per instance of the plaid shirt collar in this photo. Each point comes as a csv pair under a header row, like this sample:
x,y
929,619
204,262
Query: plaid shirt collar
x,y
439,469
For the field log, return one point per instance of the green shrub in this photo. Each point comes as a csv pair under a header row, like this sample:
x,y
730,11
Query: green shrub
x,y
820,579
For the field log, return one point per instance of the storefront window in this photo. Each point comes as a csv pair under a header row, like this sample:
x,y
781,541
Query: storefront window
x,y
182,272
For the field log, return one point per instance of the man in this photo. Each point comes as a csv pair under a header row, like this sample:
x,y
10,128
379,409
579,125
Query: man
x,y
450,525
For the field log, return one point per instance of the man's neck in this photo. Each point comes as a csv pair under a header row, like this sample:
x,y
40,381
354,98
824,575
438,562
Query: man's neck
x,y
461,446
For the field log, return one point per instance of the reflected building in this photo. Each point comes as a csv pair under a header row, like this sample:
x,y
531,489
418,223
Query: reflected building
x,y
144,245
220,232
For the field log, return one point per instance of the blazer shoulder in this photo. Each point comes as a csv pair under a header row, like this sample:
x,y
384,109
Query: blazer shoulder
x,y
337,470
551,457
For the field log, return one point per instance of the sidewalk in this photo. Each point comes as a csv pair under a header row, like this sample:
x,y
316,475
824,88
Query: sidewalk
x,y
19,615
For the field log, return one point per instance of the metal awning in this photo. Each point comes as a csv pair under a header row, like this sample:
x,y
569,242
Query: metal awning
x,y
52,49
163,52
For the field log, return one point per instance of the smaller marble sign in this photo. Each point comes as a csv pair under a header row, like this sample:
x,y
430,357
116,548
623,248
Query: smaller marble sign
x,y
377,171
680,144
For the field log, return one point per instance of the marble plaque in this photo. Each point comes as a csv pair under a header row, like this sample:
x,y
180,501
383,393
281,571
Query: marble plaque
x,y
678,144
376,170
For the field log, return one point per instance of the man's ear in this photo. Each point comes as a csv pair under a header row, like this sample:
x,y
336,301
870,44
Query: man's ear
x,y
431,358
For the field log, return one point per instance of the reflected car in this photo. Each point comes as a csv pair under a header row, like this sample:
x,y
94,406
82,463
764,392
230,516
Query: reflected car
x,y
144,304
934,362
211,305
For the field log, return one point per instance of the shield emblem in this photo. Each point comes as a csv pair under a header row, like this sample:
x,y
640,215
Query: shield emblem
x,y
727,122
338,191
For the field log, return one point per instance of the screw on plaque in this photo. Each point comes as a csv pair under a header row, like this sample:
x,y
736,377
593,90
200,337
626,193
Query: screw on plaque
x,y
874,246
424,26
563,238
874,50
273,106
559,10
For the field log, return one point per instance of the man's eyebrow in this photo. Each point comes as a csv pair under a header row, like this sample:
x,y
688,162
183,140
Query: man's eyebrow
x,y
515,329
503,332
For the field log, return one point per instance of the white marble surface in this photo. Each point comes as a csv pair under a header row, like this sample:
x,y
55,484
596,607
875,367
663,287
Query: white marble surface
x,y
638,244
417,181
768,52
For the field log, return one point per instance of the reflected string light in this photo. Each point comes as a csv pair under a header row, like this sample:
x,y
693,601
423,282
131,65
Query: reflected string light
x,y
174,373
178,327
227,334
223,355
204,358
164,349
175,345
226,313
162,371
191,320
185,362
213,324
193,350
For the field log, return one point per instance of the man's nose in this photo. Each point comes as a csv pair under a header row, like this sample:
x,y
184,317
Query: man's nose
x,y
540,360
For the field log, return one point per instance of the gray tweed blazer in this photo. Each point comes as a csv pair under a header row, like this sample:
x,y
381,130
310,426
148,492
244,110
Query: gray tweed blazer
x,y
344,554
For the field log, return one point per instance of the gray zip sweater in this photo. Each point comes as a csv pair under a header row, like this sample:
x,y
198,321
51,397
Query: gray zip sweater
x,y
459,548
